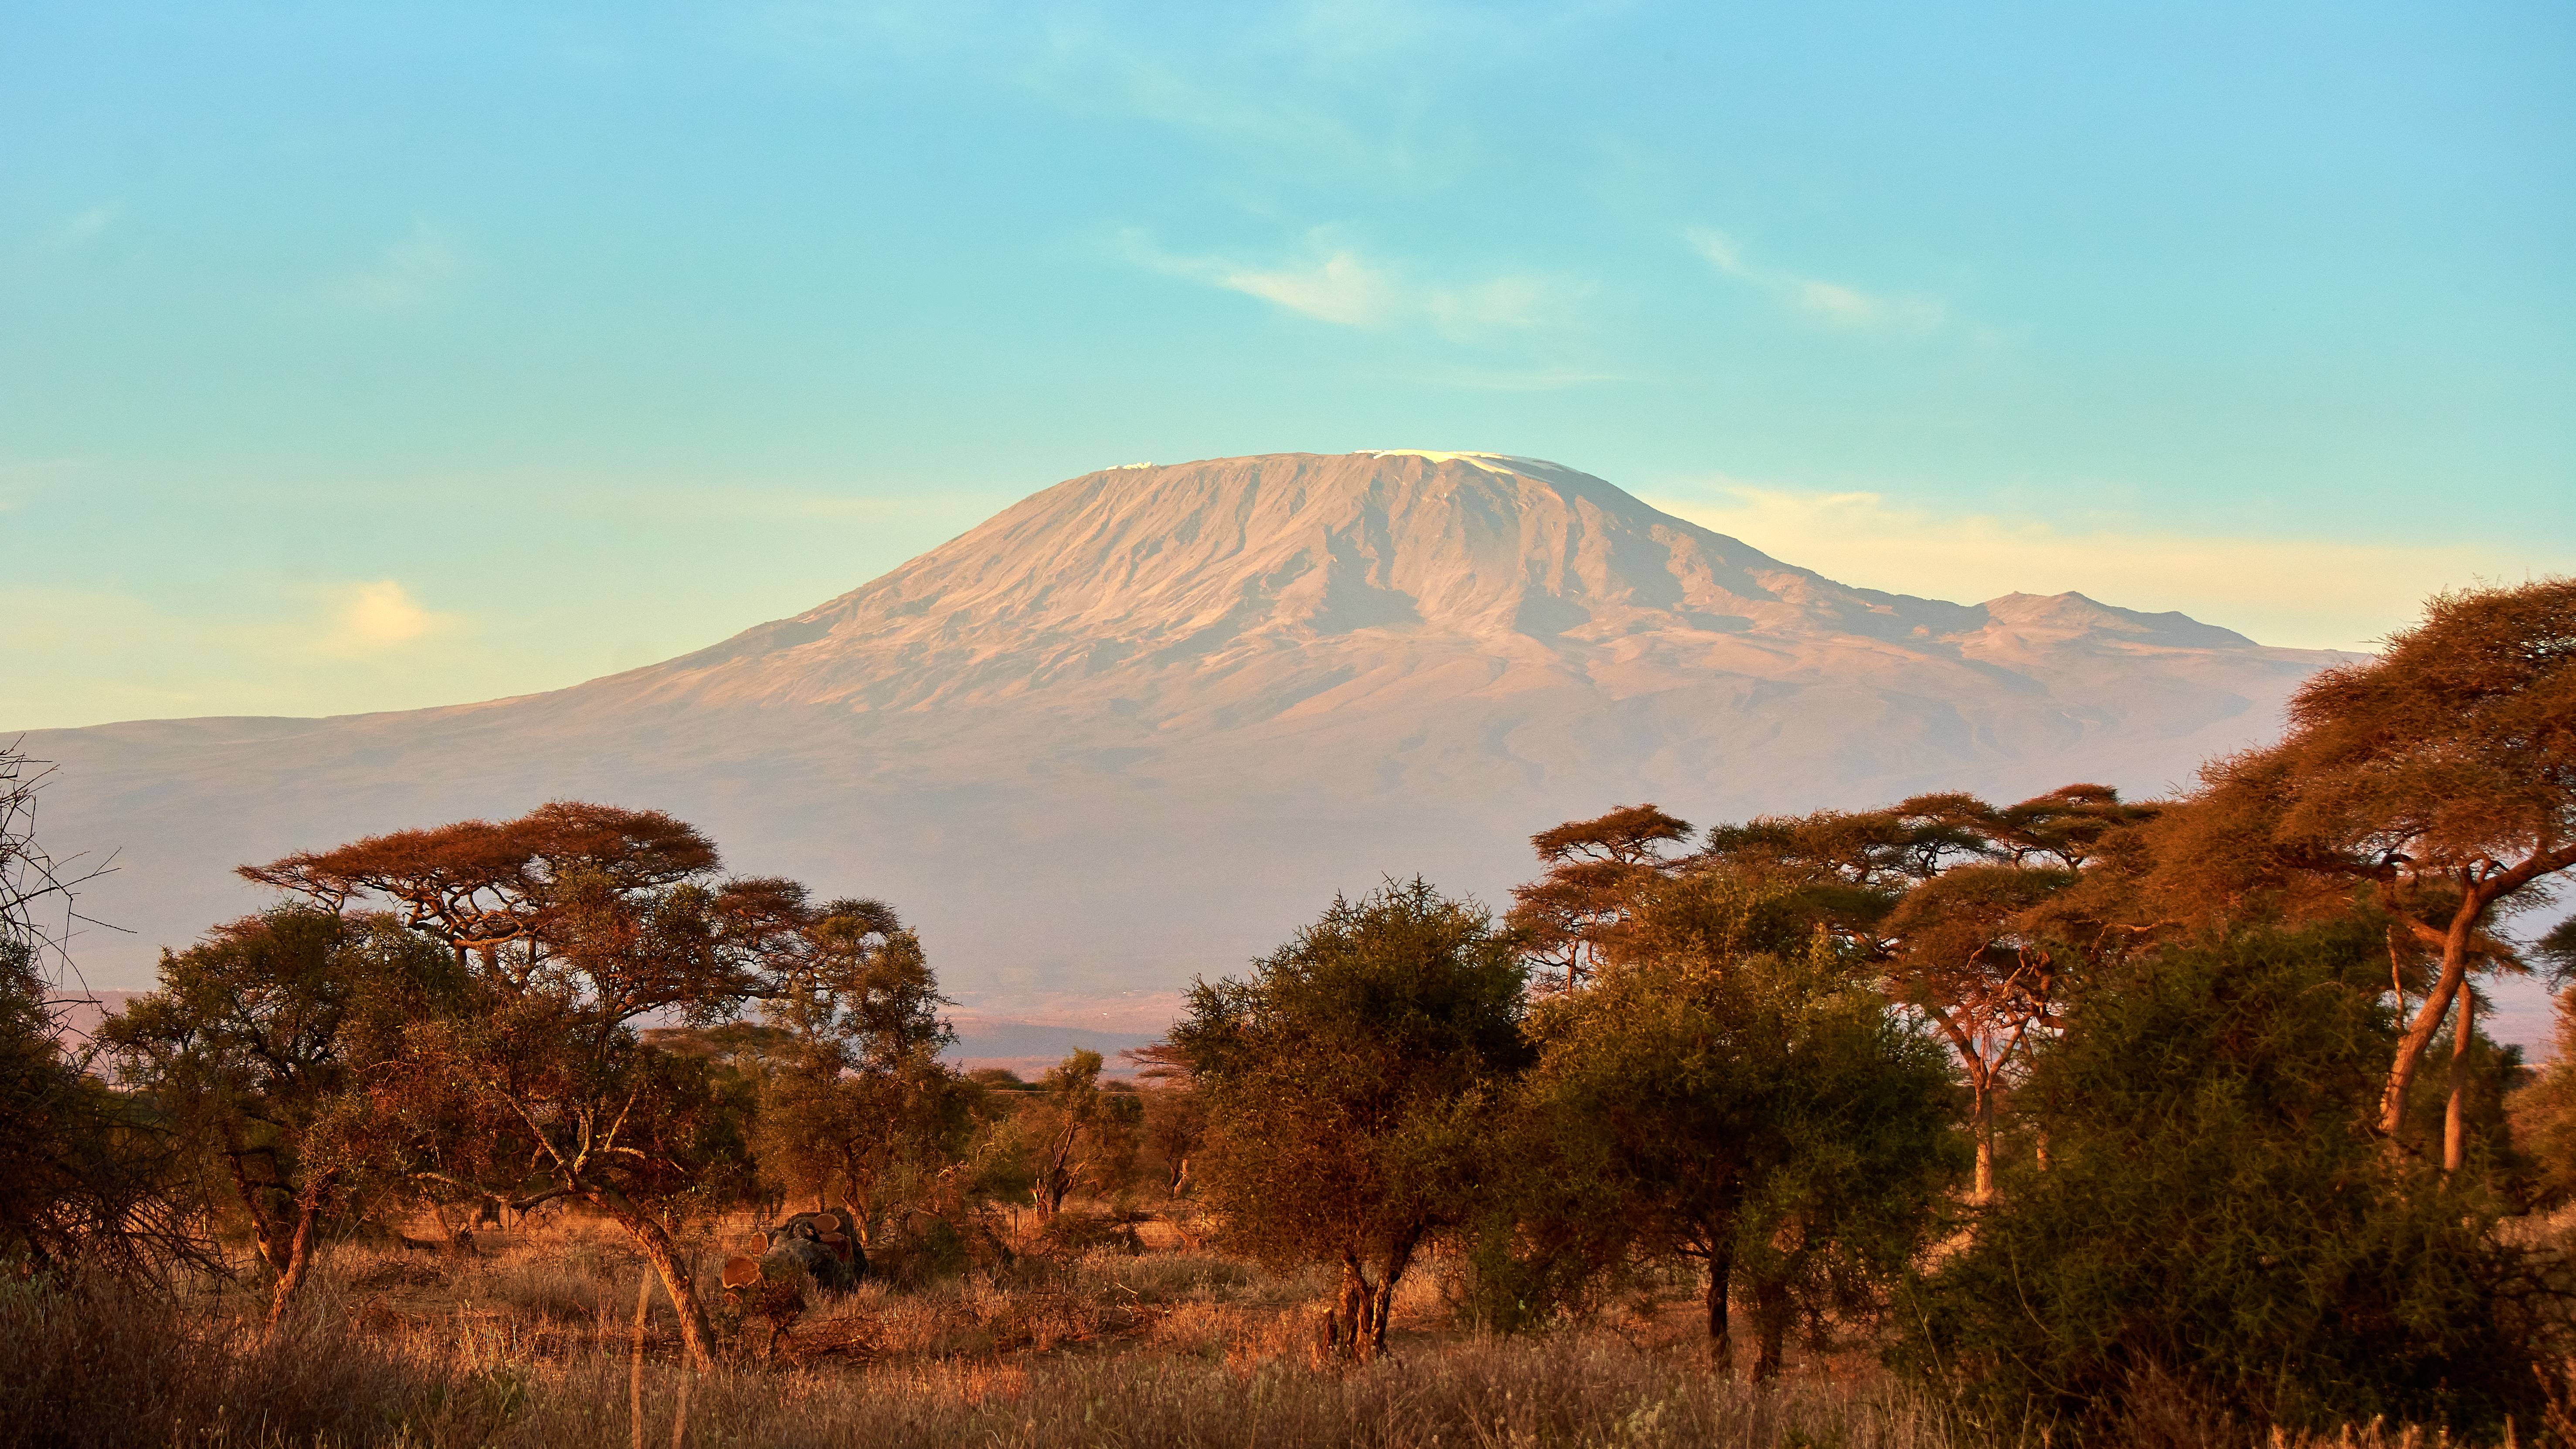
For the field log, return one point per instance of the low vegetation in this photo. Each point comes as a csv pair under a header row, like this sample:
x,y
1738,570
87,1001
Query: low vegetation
x,y
2074,1120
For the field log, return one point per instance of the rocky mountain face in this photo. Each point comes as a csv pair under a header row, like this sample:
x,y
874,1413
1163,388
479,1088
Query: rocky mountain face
x,y
1142,724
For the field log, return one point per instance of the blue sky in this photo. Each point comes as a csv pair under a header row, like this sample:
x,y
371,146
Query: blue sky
x,y
369,357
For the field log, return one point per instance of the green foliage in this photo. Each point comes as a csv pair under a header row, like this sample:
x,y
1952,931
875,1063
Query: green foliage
x,y
85,1173
918,1250
1077,1135
1171,1128
259,1051
2216,1214
533,1094
854,1102
1733,1091
569,926
1340,1075
2543,1115
1350,1084
1537,1247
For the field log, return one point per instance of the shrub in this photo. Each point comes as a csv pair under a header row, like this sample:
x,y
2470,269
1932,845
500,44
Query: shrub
x,y
1350,1085
2217,1221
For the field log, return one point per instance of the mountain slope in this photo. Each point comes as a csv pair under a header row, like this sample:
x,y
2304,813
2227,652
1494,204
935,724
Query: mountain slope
x,y
1144,722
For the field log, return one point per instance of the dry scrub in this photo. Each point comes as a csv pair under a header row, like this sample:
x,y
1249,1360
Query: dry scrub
x,y
530,1343
66,1357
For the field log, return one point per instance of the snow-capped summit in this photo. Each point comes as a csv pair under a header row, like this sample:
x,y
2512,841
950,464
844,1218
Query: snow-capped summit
x,y
1181,574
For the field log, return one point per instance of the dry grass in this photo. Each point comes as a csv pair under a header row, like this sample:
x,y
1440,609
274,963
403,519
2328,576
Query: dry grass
x,y
528,1342
66,1355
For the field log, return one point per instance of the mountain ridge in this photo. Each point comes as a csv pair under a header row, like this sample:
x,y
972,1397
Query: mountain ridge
x,y
1328,561
1143,722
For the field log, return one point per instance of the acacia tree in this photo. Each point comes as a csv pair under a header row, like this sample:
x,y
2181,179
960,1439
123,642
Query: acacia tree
x,y
855,1091
1346,1084
1595,868
1962,906
1173,1125
479,886
571,924
256,1047
1076,1134
1731,1090
1964,955
2441,773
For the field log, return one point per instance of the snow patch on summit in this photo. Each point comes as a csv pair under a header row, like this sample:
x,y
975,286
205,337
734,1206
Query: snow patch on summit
x,y
1516,466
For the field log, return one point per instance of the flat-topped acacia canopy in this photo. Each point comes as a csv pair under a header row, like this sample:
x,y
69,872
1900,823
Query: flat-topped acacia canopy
x,y
481,883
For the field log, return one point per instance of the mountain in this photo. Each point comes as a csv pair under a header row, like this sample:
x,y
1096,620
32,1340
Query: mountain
x,y
1144,723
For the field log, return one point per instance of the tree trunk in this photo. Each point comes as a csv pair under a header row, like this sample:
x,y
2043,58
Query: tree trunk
x,y
2476,895
299,1261
1350,1308
2428,1019
695,1335
1982,1127
266,1232
1362,1309
1721,1282
1382,1301
1771,1324
1381,1306
2454,1127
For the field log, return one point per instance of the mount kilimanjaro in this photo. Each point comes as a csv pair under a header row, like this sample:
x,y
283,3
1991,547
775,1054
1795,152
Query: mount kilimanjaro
x,y
1144,723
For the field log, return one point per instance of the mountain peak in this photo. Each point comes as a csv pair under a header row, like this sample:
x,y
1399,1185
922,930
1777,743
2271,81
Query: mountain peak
x,y
1139,724
1202,561
2073,613
1206,565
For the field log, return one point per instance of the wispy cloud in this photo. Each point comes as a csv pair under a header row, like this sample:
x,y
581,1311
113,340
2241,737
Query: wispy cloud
x,y
83,228
1831,302
1339,34
1338,287
1220,75
1278,77
420,269
2312,593
1087,69
82,655
379,617
1334,283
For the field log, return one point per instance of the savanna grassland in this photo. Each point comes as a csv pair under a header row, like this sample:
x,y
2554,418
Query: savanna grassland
x,y
531,1338
2077,1119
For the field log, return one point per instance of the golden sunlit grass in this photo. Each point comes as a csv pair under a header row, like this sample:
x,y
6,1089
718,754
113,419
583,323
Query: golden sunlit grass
x,y
530,1340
